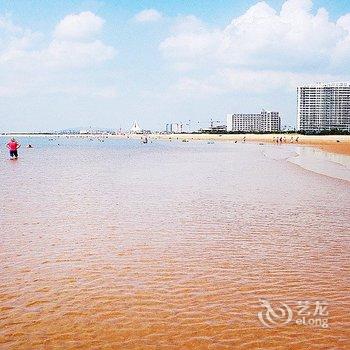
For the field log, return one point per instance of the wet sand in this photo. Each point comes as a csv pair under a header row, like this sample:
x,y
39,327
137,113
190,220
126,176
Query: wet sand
x,y
329,143
169,245
340,148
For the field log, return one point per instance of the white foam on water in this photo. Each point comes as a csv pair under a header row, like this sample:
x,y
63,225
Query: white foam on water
x,y
321,162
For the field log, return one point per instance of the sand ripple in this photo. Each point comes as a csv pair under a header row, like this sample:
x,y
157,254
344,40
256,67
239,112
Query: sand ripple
x,y
168,247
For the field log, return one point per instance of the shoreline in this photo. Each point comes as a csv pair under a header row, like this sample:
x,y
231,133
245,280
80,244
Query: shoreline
x,y
339,144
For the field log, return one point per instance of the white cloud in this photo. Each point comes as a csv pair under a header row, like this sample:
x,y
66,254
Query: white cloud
x,y
341,54
295,39
260,54
28,63
67,54
8,91
149,15
243,81
81,26
267,81
344,22
7,24
25,49
84,90
190,39
189,87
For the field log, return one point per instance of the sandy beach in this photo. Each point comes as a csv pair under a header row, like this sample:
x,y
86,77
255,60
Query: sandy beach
x,y
330,143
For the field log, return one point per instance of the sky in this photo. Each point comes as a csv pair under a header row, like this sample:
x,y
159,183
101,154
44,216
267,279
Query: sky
x,y
67,64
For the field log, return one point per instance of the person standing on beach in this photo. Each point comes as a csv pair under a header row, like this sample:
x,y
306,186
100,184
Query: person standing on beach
x,y
13,147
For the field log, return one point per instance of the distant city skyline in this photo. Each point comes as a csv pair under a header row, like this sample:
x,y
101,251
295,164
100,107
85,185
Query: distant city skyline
x,y
65,64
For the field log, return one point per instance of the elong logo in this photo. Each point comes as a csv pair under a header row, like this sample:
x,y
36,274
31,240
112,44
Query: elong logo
x,y
306,313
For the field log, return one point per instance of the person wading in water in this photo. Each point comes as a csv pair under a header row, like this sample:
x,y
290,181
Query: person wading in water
x,y
13,146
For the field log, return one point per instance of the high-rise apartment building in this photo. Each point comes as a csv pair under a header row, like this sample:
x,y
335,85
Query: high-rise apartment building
x,y
256,122
323,107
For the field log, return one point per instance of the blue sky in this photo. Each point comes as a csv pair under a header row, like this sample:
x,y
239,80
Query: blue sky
x,y
107,63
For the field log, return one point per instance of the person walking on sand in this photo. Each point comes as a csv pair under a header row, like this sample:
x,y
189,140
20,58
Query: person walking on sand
x,y
13,147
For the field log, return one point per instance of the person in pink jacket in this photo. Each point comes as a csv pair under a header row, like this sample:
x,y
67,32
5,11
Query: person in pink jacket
x,y
13,146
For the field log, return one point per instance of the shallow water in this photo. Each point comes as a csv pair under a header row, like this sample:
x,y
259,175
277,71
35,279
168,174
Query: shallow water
x,y
119,245
329,164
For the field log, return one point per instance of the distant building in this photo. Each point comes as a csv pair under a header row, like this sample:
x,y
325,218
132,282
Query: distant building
x,y
168,128
215,129
174,128
218,128
255,122
323,107
135,129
